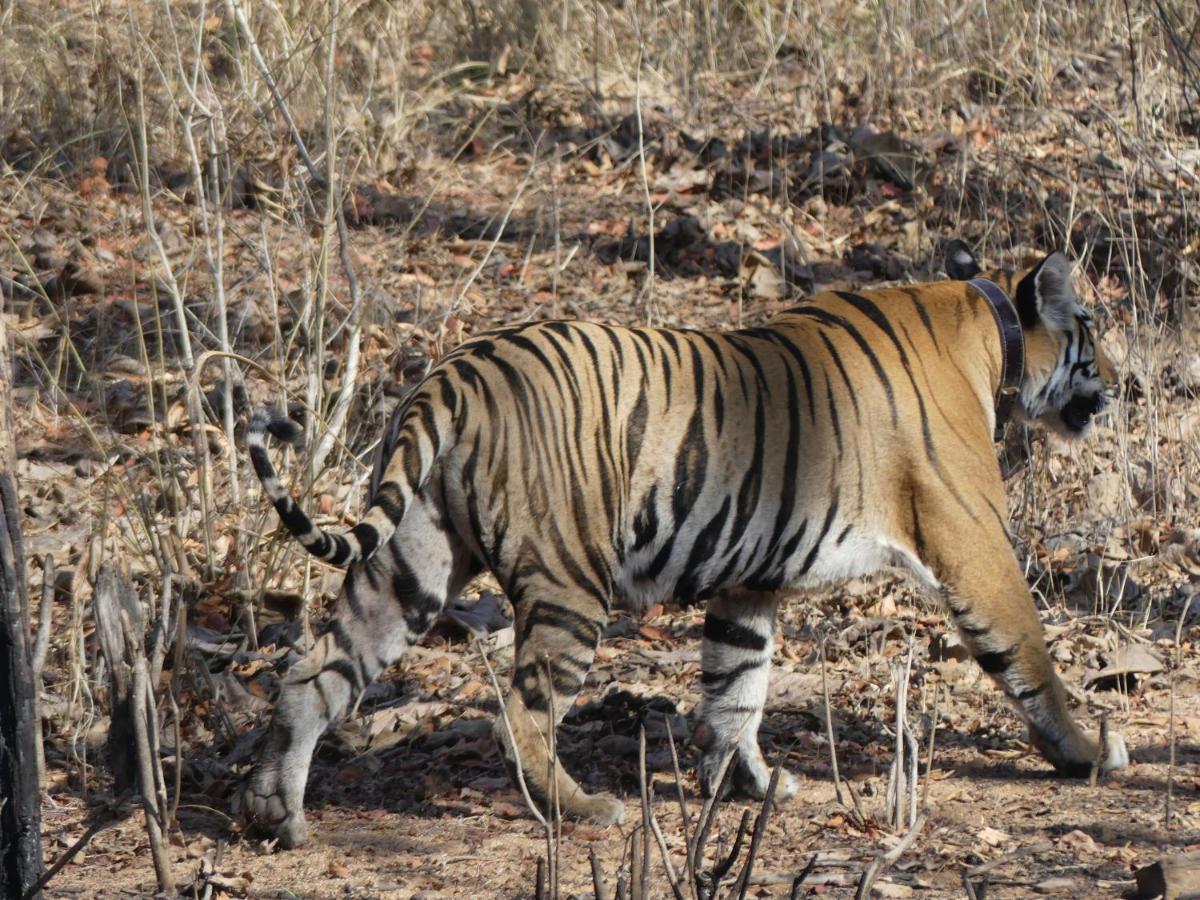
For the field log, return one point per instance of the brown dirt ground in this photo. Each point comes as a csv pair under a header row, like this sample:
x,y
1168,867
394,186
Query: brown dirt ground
x,y
1107,530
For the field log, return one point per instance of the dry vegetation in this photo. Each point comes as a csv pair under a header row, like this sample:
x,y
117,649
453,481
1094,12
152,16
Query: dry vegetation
x,y
198,214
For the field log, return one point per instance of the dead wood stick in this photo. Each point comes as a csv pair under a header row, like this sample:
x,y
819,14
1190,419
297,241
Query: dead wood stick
x,y
553,810
937,698
177,786
40,647
801,877
968,886
914,761
68,855
636,864
598,889
810,879
235,10
760,827
512,740
721,869
149,783
684,822
816,861
644,792
708,812
1171,713
672,878
884,861
117,610
833,763
42,643
648,818
1101,751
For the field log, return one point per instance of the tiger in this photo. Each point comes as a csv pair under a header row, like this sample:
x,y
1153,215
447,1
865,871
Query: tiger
x,y
588,465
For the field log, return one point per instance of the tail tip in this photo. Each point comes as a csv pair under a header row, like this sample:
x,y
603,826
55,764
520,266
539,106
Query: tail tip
x,y
277,422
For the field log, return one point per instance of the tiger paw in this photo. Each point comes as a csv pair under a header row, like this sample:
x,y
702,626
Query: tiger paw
x,y
750,777
1116,754
1077,761
599,809
756,785
262,808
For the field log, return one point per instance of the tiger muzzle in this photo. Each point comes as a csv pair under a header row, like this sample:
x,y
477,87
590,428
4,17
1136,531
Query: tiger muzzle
x,y
1080,409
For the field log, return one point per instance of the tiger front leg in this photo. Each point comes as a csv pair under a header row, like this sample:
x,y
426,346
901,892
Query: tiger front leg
x,y
996,616
1012,651
735,661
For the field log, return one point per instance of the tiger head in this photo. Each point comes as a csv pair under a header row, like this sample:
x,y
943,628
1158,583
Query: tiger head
x,y
1067,378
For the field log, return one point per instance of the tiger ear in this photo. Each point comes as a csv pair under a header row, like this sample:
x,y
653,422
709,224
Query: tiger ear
x,y
1047,294
960,261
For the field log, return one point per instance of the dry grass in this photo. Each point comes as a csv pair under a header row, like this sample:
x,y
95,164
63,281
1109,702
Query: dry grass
x,y
146,140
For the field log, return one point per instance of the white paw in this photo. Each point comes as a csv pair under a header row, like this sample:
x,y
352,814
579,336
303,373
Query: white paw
x,y
605,809
1116,754
787,788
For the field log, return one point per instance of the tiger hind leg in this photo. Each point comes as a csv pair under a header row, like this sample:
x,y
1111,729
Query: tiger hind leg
x,y
384,608
738,641
555,644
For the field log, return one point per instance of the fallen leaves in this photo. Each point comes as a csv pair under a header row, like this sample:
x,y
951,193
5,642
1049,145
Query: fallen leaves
x,y
993,837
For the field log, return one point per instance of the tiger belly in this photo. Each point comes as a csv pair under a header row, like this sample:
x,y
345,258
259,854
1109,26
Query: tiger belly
x,y
843,552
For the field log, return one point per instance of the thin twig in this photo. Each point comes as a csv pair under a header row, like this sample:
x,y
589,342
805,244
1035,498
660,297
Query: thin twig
x,y
1171,711
833,762
68,855
38,663
684,818
802,876
553,810
341,406
512,740
149,781
968,886
708,811
42,643
1101,751
636,864
721,869
672,877
884,861
760,827
937,699
644,791
235,10
177,786
601,893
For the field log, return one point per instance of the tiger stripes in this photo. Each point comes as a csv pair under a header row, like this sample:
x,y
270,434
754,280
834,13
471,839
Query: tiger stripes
x,y
589,466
